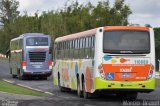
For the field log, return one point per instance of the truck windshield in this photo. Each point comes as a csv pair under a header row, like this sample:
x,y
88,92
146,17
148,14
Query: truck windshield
x,y
126,42
37,41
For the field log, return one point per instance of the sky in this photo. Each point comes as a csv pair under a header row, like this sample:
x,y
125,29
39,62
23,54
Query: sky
x,y
143,11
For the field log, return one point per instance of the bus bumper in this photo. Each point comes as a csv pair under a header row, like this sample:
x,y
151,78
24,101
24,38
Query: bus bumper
x,y
39,73
137,86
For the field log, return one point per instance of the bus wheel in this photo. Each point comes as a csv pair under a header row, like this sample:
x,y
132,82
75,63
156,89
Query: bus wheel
x,y
79,92
62,89
13,76
10,70
85,94
20,76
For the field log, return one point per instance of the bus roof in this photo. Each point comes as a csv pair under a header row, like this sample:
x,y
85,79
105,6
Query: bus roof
x,y
33,34
93,31
29,34
76,35
140,28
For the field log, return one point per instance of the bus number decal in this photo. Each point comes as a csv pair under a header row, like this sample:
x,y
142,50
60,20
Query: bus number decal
x,y
141,62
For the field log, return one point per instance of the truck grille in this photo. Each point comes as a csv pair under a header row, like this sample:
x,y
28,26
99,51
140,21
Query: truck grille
x,y
37,56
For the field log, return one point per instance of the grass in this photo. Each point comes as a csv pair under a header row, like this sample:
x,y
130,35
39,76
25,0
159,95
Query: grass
x,y
10,88
3,58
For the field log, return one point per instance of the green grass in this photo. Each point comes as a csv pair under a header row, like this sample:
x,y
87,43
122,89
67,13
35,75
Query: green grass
x,y
3,59
10,88
158,82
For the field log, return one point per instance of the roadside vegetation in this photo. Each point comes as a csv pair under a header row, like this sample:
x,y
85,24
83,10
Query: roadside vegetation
x,y
10,88
74,17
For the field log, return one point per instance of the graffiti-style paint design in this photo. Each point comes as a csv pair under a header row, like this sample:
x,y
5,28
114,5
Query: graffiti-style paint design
x,y
88,80
122,60
76,69
113,61
71,64
69,69
80,63
65,74
73,84
106,57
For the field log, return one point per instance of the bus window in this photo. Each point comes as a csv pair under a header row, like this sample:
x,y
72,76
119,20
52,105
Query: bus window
x,y
126,42
37,41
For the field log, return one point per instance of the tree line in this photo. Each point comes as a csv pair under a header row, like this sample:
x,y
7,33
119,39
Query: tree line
x,y
74,17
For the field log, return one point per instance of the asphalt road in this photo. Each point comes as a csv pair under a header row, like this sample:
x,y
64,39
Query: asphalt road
x,y
70,98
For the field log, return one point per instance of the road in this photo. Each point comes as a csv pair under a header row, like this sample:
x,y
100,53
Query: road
x,y
70,98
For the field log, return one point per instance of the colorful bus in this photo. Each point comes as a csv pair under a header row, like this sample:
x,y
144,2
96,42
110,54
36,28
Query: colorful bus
x,y
31,55
116,59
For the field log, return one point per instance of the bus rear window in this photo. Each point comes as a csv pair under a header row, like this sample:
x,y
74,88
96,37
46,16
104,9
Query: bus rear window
x,y
37,41
126,42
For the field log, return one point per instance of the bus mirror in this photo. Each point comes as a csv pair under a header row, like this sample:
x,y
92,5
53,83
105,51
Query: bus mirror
x,y
7,53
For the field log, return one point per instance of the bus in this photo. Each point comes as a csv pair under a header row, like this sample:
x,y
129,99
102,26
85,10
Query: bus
x,y
111,59
30,55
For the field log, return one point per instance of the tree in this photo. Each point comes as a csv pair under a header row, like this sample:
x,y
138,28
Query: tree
x,y
8,10
73,18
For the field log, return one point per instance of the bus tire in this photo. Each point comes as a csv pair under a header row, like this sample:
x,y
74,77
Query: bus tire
x,y
85,94
62,89
79,92
20,77
13,76
10,70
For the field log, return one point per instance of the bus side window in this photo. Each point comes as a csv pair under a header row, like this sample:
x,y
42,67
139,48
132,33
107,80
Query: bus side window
x,y
55,51
73,45
93,46
70,50
84,46
86,49
64,49
56,56
77,49
80,48
89,46
60,50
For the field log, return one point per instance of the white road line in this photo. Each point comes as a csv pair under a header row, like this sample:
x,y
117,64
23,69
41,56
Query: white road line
x,y
8,81
28,87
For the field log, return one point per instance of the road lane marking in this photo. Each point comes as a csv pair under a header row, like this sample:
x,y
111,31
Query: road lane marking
x,y
28,87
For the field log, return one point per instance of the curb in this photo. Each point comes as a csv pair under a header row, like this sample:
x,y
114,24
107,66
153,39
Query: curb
x,y
24,86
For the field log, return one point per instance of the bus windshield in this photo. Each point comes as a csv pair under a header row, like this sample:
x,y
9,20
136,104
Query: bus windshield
x,y
126,42
37,41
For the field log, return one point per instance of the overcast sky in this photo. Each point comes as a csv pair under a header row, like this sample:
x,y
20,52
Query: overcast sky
x,y
143,11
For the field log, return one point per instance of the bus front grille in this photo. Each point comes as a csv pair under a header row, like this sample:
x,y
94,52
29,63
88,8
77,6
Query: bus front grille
x,y
37,56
